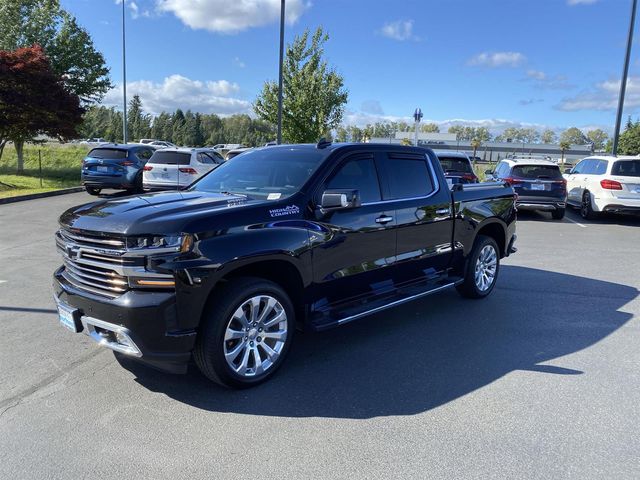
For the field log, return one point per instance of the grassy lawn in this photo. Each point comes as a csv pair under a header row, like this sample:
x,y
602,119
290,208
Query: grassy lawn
x,y
60,169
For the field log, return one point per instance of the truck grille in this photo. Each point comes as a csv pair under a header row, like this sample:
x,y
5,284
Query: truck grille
x,y
95,263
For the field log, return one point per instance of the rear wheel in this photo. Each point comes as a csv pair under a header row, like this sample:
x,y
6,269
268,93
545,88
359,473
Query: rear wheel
x,y
558,214
482,269
245,334
93,190
586,208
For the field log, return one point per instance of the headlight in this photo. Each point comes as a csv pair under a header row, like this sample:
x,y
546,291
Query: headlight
x,y
180,243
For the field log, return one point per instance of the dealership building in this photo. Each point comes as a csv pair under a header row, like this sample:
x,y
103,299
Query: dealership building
x,y
490,151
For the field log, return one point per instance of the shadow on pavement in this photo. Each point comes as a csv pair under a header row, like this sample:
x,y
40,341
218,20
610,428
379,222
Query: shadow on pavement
x,y
602,219
422,355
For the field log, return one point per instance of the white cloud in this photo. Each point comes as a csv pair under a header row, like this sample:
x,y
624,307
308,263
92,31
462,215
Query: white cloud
x,y
226,16
548,82
604,96
177,91
530,101
497,59
238,63
399,30
580,2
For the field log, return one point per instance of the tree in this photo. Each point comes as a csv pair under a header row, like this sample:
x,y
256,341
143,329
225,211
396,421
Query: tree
x,y
573,136
598,138
529,135
430,128
548,136
33,100
629,141
68,46
314,96
138,123
564,146
475,144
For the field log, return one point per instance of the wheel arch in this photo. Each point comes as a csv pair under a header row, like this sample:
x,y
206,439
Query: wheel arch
x,y
497,230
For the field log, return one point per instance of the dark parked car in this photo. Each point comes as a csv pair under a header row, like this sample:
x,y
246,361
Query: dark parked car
x,y
279,238
538,183
116,166
457,167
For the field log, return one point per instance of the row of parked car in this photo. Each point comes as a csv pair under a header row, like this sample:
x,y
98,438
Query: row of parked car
x,y
595,184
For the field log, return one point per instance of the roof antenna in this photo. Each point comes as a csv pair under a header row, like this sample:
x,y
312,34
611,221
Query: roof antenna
x,y
323,143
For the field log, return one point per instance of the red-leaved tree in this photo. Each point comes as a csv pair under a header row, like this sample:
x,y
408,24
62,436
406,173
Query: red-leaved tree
x,y
33,100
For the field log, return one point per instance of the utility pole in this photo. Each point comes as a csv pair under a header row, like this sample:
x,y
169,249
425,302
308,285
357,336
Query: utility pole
x,y
417,116
623,82
279,139
124,77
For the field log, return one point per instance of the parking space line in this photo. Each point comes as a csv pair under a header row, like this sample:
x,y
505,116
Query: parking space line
x,y
577,223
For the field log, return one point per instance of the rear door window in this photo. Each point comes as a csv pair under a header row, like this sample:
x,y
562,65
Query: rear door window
x,y
455,164
626,168
543,172
600,167
171,158
108,153
360,174
407,176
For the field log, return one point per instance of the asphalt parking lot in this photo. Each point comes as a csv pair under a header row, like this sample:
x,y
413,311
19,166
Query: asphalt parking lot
x,y
540,380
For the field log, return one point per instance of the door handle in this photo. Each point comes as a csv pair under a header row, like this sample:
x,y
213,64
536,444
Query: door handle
x,y
384,219
442,211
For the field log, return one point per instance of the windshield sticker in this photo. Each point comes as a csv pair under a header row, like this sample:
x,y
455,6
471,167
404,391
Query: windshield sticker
x,y
274,196
288,210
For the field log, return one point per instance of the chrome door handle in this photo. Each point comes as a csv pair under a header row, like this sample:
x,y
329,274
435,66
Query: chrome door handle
x,y
442,211
384,219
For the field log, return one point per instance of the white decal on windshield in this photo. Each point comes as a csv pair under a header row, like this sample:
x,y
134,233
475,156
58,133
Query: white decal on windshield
x,y
288,210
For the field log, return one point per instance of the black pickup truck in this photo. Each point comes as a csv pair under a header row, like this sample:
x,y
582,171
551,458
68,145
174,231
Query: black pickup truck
x,y
279,238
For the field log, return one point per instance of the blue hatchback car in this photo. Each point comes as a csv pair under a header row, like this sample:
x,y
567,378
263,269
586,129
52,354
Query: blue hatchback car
x,y
114,165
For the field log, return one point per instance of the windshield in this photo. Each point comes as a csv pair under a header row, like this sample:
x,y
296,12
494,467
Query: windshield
x,y
264,173
108,153
626,168
170,158
455,164
537,171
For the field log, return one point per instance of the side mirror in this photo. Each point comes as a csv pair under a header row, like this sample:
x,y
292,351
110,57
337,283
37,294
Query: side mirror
x,y
568,170
340,199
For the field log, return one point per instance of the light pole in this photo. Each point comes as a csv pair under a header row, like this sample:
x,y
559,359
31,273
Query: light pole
x,y
124,77
279,139
417,116
623,82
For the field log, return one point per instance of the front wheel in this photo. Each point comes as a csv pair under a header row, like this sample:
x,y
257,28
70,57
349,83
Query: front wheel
x,y
246,333
482,269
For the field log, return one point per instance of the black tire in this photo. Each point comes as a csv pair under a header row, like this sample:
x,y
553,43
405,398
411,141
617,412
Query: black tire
x,y
137,185
586,209
93,190
469,288
558,214
209,351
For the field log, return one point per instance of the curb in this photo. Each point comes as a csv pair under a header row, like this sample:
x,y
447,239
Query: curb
x,y
33,196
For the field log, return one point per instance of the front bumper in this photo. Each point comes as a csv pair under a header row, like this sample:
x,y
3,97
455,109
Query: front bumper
x,y
147,318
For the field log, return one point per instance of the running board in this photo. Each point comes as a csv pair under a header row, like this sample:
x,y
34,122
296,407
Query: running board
x,y
376,306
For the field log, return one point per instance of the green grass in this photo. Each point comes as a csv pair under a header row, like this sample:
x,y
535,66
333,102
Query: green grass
x,y
60,169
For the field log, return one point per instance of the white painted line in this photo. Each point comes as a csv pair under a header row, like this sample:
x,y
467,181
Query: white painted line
x,y
577,223
3,281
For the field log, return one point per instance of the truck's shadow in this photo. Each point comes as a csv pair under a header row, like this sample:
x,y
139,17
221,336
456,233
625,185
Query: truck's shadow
x,y
422,355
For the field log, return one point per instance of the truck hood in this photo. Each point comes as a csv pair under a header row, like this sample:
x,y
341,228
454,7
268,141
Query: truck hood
x,y
154,213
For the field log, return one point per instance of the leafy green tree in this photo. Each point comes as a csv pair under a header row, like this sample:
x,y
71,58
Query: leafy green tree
x,y
629,141
475,144
564,146
68,46
574,136
341,134
548,136
138,123
598,138
529,135
314,96
177,126
430,128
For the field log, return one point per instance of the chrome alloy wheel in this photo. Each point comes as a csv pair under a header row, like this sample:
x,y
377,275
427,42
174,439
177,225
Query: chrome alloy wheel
x,y
255,336
486,267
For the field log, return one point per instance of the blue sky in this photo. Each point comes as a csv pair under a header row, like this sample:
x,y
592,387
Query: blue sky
x,y
496,63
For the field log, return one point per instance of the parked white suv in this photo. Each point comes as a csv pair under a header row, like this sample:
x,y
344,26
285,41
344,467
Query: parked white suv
x,y
604,184
171,168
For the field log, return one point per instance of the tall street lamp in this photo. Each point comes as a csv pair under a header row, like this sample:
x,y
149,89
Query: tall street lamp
x,y
124,77
279,139
623,83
